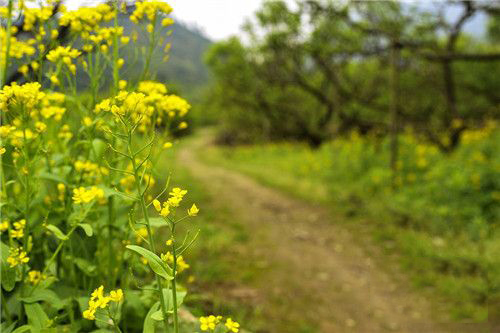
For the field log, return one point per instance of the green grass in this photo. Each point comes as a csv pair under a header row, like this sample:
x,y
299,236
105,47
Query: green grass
x,y
214,268
439,223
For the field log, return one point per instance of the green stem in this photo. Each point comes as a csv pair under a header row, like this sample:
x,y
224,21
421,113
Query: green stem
x,y
174,284
111,222
148,226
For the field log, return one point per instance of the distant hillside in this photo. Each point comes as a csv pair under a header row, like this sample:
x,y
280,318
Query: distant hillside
x,y
185,68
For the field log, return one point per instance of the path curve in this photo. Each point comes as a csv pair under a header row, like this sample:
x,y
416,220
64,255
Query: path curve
x,y
315,270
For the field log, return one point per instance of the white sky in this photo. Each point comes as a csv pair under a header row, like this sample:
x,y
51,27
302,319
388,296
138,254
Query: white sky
x,y
217,18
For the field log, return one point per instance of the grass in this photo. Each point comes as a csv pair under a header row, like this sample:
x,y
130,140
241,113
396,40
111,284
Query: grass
x,y
215,254
455,268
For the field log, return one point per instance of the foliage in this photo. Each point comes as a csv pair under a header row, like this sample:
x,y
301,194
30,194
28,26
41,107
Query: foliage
x,y
317,69
79,177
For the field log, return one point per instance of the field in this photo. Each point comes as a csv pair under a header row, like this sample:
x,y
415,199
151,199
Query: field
x,y
335,168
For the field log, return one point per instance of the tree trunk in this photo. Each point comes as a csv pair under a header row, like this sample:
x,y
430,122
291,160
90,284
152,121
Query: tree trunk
x,y
395,105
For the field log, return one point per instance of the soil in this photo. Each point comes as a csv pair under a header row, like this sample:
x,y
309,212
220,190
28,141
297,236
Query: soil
x,y
314,271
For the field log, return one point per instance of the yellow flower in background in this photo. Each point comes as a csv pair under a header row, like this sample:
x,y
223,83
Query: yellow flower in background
x,y
183,125
193,211
17,257
157,205
209,323
4,226
35,277
82,195
99,301
2,150
167,145
232,326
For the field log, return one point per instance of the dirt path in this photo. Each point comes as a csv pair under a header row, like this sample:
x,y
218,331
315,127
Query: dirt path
x,y
315,273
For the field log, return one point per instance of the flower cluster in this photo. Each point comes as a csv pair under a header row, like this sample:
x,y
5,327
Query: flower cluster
x,y
82,195
181,265
17,256
35,277
99,301
151,10
176,196
27,95
209,323
86,19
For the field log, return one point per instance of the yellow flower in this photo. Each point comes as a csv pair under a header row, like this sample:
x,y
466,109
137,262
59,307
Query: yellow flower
x,y
157,205
87,121
183,125
169,242
116,295
167,145
122,84
193,211
232,326
167,21
54,80
17,257
40,127
2,150
120,63
165,211
82,195
209,323
35,277
4,226
98,300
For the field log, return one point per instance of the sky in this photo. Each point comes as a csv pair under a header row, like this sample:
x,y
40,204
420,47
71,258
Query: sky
x,y
219,19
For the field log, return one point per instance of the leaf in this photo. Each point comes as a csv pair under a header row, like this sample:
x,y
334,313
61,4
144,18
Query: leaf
x,y
57,232
155,222
149,324
24,328
8,276
85,266
110,192
36,316
156,264
98,146
169,300
51,176
45,295
157,315
87,228
5,329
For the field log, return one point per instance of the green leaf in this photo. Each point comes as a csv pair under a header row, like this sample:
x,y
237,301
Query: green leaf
x,y
57,232
36,316
8,276
155,222
45,295
22,329
169,300
156,264
110,192
85,266
157,315
87,228
50,176
149,323
9,329
98,146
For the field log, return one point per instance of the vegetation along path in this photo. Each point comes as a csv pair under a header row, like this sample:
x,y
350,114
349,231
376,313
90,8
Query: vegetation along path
x,y
315,273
